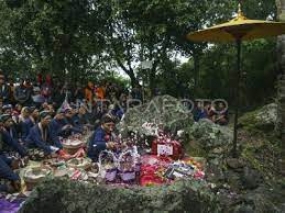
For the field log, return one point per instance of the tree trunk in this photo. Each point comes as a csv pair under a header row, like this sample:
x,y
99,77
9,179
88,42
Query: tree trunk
x,y
152,82
134,80
196,71
280,123
129,71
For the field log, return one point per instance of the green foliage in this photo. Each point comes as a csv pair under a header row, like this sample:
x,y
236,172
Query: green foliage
x,y
86,39
155,31
60,37
217,72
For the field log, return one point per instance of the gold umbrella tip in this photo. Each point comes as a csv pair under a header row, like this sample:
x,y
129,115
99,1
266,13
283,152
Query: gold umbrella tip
x,y
240,13
240,16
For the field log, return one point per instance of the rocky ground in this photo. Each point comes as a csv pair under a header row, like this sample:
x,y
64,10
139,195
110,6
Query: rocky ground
x,y
253,183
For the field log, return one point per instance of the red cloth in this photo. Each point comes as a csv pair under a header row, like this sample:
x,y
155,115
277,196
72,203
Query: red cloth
x,y
149,177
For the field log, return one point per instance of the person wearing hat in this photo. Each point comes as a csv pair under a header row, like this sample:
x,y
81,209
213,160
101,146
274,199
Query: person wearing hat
x,y
10,136
7,109
71,121
41,136
58,125
102,138
82,119
82,116
25,122
6,163
35,114
63,123
16,111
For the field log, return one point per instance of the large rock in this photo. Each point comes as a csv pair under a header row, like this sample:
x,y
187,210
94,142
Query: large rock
x,y
251,178
261,200
258,201
214,139
73,197
160,110
262,119
244,190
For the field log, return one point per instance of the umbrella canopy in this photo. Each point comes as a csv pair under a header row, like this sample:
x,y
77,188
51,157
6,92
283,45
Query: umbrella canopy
x,y
239,28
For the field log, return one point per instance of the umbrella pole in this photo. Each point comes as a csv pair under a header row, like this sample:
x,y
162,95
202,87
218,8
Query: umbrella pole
x,y
237,96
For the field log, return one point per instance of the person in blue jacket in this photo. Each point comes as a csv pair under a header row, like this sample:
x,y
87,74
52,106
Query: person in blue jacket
x,y
41,136
25,123
59,126
201,111
6,163
82,117
72,123
102,138
10,136
7,173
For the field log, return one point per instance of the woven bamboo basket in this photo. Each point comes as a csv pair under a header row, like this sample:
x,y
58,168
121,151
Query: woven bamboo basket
x,y
33,176
108,166
72,148
127,166
79,163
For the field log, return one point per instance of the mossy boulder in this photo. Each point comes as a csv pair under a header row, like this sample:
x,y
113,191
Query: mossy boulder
x,y
209,139
261,200
263,119
164,110
68,196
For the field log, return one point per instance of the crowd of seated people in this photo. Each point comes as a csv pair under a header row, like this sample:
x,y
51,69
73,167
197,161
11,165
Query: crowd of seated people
x,y
216,112
35,115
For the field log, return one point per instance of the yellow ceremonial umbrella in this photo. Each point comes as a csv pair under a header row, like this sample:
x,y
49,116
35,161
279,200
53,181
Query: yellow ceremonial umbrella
x,y
236,30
